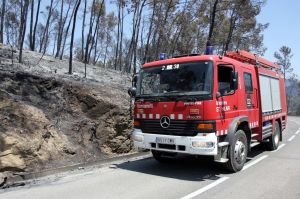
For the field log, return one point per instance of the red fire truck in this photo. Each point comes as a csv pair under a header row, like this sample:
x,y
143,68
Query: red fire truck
x,y
209,105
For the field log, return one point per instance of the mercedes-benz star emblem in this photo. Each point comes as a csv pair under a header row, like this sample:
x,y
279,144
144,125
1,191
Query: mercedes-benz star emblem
x,y
165,122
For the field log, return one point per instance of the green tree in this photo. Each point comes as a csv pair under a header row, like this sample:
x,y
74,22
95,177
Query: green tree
x,y
284,57
292,92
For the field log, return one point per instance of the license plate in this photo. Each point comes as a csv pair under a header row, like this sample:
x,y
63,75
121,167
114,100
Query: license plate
x,y
161,140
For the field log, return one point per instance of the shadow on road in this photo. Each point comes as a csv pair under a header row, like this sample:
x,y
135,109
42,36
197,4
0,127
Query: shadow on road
x,y
189,168
183,168
255,151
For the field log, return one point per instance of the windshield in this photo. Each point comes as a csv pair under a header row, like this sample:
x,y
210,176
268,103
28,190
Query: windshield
x,y
192,78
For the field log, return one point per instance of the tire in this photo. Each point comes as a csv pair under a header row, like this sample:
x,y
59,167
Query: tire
x,y
161,156
274,140
237,152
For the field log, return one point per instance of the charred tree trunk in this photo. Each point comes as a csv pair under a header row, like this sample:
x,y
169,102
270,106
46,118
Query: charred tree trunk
x,y
60,30
130,50
45,33
24,12
88,39
118,37
231,29
137,36
72,37
95,58
95,36
32,45
146,56
2,20
62,47
121,37
212,21
83,28
161,27
31,25
66,36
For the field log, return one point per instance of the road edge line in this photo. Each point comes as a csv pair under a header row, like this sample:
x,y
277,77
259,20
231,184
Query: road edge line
x,y
206,188
280,147
247,166
291,138
27,178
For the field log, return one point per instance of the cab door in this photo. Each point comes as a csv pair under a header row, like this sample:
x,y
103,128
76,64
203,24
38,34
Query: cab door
x,y
227,101
251,95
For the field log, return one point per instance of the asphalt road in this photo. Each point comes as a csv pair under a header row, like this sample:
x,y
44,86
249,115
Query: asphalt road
x,y
266,175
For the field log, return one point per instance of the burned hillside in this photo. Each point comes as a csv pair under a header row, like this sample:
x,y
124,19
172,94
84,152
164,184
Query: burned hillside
x,y
55,120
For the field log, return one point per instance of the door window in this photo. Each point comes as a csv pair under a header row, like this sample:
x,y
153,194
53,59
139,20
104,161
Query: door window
x,y
248,83
225,80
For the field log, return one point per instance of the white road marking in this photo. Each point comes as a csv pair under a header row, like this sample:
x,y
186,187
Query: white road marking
x,y
291,138
206,188
254,162
297,132
280,146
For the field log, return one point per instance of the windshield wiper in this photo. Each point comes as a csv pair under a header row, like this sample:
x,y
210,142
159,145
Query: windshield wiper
x,y
186,98
171,92
151,99
160,98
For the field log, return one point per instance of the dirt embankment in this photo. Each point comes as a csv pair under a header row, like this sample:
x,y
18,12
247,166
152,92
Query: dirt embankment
x,y
46,122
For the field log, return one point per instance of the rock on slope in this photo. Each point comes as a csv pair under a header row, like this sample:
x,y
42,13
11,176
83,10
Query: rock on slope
x,y
50,121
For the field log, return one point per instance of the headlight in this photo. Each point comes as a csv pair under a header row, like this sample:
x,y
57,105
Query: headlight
x,y
203,144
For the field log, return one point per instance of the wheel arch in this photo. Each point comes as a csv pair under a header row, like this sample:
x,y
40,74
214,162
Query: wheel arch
x,y
237,123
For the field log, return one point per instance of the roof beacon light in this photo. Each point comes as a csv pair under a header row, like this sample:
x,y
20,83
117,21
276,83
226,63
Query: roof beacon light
x,y
163,56
209,49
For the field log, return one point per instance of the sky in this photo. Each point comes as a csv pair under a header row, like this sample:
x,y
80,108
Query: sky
x,y
284,29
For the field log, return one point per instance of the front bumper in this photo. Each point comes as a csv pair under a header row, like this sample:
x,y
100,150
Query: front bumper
x,y
182,144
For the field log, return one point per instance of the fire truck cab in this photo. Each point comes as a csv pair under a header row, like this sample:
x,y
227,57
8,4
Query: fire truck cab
x,y
209,105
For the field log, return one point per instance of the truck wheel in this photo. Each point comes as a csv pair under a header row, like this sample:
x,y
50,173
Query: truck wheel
x,y
273,141
162,156
237,153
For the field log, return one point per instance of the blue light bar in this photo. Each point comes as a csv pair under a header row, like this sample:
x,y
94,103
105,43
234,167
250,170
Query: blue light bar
x,y
163,56
209,50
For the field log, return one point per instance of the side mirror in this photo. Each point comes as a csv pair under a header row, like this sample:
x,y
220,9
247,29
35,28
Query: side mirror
x,y
134,80
218,95
235,80
132,92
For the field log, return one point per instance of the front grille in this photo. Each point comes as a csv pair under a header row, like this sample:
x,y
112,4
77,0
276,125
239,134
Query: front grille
x,y
167,146
177,127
